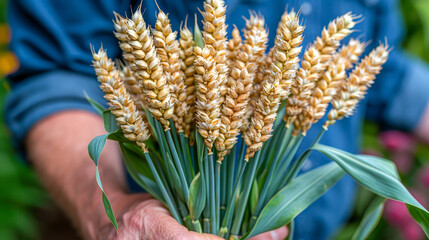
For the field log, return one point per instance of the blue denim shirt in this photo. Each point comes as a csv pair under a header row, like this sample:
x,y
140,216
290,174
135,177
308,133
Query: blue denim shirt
x,y
51,39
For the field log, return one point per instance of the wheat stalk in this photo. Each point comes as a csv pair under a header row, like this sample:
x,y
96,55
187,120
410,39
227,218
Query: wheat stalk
x,y
273,88
354,89
119,100
187,55
131,85
211,71
214,36
168,50
327,86
235,45
316,59
240,83
291,41
207,104
255,26
139,50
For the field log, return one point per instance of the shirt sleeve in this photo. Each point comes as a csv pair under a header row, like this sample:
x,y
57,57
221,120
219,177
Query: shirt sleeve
x,y
52,42
400,93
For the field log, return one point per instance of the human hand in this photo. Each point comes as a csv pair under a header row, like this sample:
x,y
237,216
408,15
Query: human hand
x,y
143,217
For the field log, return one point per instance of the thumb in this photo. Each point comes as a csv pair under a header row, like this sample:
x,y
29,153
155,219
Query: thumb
x,y
159,224
278,234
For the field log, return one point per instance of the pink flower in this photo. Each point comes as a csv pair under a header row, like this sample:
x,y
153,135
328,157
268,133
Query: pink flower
x,y
397,141
396,213
412,231
424,177
401,147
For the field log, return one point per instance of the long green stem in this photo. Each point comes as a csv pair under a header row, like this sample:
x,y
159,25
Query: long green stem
x,y
169,202
217,187
244,196
207,217
231,160
164,179
178,164
204,170
296,166
291,230
223,186
269,149
187,160
212,194
275,162
164,149
226,223
183,210
194,154
284,165
241,156
173,132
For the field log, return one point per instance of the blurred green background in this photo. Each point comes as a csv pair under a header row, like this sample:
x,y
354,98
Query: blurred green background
x,y
20,192
26,211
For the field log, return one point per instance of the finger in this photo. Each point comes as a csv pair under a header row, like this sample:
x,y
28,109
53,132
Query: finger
x,y
278,234
157,223
203,236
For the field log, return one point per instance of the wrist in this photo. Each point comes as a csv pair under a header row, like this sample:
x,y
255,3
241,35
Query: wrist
x,y
98,225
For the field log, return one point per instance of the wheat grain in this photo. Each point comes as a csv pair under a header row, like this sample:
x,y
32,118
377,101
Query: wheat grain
x,y
187,55
240,83
214,36
326,86
255,28
262,71
132,85
168,50
285,50
211,71
207,104
119,101
354,89
139,50
316,59
235,45
290,40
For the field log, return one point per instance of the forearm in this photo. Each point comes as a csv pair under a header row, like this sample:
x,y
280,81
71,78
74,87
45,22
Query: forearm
x,y
57,147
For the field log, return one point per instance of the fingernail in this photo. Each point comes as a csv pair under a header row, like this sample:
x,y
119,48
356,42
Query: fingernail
x,y
274,235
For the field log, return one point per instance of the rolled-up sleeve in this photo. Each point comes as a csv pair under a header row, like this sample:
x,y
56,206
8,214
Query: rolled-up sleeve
x,y
52,42
47,93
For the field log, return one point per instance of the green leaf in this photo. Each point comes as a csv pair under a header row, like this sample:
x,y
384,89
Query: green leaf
x,y
197,197
421,217
136,155
95,148
109,121
107,206
141,174
198,37
175,179
376,177
295,197
118,136
109,211
200,146
370,219
98,107
381,163
151,121
254,197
